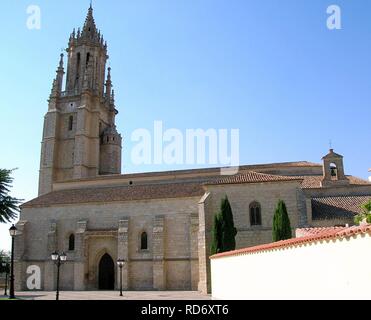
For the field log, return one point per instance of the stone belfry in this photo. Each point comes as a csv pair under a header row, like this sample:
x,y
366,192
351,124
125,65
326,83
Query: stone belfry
x,y
80,139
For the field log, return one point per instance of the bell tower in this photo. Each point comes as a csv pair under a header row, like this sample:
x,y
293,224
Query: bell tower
x,y
333,170
81,119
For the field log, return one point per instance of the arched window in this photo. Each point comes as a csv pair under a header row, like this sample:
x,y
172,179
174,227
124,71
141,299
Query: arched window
x,y
71,242
334,171
70,123
255,214
144,241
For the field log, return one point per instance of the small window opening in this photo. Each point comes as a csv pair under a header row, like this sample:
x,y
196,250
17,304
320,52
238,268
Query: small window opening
x,y
144,241
70,123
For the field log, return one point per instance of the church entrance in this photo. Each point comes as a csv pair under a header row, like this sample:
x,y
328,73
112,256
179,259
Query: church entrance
x,y
106,273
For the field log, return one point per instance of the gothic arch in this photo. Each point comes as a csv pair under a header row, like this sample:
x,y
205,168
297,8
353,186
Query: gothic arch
x,y
255,213
71,242
106,273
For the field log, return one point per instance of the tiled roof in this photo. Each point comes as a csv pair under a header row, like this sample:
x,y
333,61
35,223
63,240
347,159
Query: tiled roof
x,y
345,207
323,236
252,177
314,182
211,171
308,182
304,232
121,193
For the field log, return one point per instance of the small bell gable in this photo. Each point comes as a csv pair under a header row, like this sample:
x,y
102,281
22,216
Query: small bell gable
x,y
333,170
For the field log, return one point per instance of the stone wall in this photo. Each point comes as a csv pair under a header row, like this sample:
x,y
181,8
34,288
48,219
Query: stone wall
x,y
171,261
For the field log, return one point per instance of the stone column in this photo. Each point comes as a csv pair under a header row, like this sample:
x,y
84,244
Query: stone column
x,y
52,244
123,252
80,263
194,251
159,267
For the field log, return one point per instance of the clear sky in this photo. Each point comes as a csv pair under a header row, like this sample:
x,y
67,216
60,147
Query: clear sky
x,y
269,68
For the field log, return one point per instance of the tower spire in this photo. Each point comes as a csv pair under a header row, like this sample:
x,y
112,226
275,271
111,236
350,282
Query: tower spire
x,y
90,29
60,74
108,84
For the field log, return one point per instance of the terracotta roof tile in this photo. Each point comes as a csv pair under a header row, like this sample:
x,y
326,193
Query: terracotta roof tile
x,y
304,232
210,171
345,207
121,193
323,236
253,177
314,182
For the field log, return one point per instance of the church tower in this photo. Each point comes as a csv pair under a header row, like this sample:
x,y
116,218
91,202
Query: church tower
x,y
333,170
80,139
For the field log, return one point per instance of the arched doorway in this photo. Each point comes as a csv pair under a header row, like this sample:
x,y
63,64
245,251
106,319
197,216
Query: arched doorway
x,y
106,273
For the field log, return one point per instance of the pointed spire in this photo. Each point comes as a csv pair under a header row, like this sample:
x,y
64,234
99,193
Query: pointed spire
x,y
113,96
58,81
108,84
61,62
90,29
109,74
54,92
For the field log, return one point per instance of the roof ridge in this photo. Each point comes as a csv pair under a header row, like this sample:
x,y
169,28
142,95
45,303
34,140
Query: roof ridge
x,y
252,177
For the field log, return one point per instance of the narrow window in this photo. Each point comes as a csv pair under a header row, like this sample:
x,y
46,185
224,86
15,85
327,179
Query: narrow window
x,y
78,69
255,214
71,242
70,123
144,241
87,58
333,171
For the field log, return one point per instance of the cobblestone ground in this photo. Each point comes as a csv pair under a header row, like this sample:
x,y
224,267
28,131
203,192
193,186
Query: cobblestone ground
x,y
113,295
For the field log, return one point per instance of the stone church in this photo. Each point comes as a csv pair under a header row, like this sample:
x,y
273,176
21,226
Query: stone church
x,y
159,223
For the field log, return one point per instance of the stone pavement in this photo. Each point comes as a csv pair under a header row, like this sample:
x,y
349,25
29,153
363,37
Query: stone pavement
x,y
113,295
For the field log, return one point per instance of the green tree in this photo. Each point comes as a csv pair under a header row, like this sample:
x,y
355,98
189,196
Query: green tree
x,y
8,205
223,232
281,223
364,214
229,232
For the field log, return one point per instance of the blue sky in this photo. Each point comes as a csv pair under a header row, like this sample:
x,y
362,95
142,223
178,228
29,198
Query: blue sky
x,y
269,68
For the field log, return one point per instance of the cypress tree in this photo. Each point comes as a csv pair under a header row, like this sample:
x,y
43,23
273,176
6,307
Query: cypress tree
x,y
223,231
281,223
229,232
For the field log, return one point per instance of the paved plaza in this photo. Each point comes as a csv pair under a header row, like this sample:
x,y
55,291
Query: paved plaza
x,y
113,295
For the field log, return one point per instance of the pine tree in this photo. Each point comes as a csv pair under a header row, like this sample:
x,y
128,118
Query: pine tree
x,y
281,223
8,205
